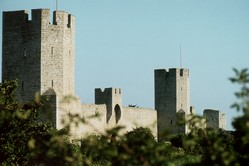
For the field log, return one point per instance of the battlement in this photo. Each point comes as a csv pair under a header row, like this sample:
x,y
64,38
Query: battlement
x,y
63,18
172,72
32,55
15,18
112,98
105,96
12,19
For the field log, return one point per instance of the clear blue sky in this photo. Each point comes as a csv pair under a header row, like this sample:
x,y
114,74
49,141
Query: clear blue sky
x,y
119,43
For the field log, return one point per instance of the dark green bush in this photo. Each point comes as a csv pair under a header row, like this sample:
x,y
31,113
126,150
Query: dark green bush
x,y
26,141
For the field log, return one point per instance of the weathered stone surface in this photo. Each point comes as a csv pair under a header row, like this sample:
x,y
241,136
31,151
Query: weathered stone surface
x,y
171,97
40,53
215,119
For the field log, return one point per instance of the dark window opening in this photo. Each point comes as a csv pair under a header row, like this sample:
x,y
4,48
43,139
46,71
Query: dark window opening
x,y
22,85
69,21
52,50
181,72
117,110
52,83
171,121
24,52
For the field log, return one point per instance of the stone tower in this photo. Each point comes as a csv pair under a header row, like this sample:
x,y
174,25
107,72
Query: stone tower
x,y
171,99
40,54
112,97
215,119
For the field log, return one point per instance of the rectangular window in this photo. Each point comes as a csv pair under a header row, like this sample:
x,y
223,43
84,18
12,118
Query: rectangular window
x,y
52,50
22,85
52,83
24,52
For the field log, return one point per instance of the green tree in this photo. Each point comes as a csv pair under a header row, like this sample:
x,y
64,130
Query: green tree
x,y
26,141
241,123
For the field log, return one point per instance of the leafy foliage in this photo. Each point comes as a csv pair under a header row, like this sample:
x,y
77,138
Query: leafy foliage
x,y
26,141
241,124
23,139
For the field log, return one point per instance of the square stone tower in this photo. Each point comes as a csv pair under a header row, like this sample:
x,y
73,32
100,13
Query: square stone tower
x,y
40,54
112,97
215,119
171,99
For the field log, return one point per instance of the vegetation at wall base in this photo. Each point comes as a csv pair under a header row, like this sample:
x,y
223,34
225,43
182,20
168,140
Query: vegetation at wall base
x,y
24,140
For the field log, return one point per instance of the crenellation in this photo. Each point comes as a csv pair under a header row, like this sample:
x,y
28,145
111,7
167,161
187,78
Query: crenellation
x,y
19,18
62,18
41,55
112,98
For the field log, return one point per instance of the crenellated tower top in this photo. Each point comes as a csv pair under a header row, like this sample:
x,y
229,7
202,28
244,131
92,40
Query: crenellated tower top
x,y
39,52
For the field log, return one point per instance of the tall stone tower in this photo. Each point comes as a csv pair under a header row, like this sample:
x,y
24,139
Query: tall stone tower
x,y
171,99
39,53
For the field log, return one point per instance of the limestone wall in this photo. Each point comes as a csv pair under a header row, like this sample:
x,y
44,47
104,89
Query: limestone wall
x,y
21,52
171,96
92,124
112,98
38,52
215,119
222,120
57,52
132,118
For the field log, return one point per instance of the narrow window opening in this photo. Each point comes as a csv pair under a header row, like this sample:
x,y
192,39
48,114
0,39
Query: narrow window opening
x,y
69,53
171,121
117,110
52,50
119,91
52,83
24,52
69,21
181,72
22,85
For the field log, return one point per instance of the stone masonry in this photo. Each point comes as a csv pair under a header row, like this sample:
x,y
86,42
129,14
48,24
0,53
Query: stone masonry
x,y
40,53
215,119
171,99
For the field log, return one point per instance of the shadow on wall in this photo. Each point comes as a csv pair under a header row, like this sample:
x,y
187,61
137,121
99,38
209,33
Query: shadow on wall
x,y
117,110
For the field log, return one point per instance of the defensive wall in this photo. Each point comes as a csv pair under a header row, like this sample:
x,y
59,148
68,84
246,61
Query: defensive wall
x,y
110,113
40,53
